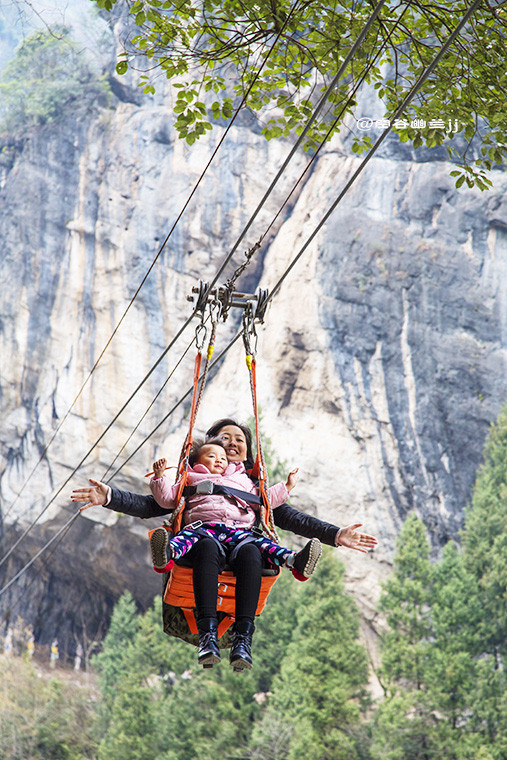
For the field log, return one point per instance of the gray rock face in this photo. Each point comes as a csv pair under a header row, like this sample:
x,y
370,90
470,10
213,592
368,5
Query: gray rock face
x,y
382,360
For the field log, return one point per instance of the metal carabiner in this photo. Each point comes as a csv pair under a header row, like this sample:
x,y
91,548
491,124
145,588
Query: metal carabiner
x,y
249,331
200,335
215,311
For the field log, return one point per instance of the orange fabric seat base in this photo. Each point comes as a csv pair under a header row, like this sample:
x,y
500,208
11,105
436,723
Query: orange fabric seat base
x,y
179,592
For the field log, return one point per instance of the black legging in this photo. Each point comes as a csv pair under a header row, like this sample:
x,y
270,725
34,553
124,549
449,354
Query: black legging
x,y
206,562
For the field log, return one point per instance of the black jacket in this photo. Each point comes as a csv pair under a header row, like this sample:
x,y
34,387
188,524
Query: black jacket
x,y
285,516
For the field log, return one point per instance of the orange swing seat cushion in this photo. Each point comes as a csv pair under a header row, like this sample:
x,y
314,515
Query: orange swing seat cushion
x,y
179,602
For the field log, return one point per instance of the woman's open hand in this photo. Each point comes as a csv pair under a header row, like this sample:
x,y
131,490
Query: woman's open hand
x,y
353,539
95,496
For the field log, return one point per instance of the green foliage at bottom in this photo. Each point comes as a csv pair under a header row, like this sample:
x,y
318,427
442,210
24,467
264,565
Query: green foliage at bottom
x,y
43,718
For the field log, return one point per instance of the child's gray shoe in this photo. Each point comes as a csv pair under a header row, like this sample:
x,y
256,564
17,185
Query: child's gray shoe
x,y
158,544
306,560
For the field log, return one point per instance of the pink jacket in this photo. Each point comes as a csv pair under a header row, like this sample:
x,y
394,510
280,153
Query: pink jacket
x,y
229,510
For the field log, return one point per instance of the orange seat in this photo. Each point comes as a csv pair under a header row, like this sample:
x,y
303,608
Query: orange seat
x,y
179,593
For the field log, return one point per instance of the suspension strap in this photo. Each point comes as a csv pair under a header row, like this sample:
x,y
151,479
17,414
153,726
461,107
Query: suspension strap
x,y
259,469
197,391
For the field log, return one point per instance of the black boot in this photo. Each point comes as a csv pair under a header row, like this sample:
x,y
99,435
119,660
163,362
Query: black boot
x,y
209,653
241,650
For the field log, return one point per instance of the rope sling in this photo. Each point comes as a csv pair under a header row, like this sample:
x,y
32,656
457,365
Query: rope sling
x,y
178,605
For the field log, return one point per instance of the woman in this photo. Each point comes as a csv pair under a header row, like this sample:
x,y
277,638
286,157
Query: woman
x,y
207,560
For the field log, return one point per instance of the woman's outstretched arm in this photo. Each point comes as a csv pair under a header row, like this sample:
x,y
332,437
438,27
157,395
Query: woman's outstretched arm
x,y
134,504
288,518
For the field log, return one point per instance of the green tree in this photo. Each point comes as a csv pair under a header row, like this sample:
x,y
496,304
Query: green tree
x,y
442,654
404,722
43,719
131,733
406,603
485,559
485,542
114,662
280,56
47,75
318,695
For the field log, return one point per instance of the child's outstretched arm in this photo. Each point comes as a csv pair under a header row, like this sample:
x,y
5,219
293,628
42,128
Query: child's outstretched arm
x,y
278,493
163,493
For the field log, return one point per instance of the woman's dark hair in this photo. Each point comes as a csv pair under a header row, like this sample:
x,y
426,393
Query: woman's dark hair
x,y
197,445
217,427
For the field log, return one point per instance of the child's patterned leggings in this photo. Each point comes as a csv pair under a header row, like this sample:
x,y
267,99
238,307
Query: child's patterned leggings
x,y
183,541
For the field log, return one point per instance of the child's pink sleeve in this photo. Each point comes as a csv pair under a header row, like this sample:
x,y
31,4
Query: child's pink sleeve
x,y
164,493
278,494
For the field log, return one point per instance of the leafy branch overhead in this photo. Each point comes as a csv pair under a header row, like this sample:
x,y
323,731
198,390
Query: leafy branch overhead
x,y
280,57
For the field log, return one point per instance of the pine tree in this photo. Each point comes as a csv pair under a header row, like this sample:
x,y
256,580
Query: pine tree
x,y
404,722
485,558
406,602
131,734
318,695
485,541
114,662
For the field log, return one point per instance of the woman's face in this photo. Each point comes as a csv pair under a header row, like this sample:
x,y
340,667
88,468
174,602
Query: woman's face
x,y
234,442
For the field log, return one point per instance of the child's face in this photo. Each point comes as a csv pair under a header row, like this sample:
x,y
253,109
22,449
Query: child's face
x,y
214,458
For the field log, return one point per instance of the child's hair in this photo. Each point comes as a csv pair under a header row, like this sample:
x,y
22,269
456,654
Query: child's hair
x,y
198,445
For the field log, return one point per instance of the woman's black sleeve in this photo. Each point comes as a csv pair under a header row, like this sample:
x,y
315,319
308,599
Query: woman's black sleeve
x,y
288,518
135,504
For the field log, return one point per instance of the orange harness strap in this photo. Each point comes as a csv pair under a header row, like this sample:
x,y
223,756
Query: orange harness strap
x,y
259,468
176,517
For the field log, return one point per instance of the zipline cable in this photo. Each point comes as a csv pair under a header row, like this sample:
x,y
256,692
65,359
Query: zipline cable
x,y
335,122
149,407
413,91
43,549
161,249
187,394
98,440
64,529
297,144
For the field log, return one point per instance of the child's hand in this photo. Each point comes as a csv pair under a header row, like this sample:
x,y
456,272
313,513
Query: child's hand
x,y
292,479
159,467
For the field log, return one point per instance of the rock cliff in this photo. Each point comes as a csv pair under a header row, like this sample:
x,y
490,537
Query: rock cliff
x,y
382,360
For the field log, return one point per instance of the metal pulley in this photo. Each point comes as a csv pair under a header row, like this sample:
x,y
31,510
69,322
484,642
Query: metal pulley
x,y
230,299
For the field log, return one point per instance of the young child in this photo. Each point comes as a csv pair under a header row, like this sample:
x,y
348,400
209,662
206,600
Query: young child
x,y
229,519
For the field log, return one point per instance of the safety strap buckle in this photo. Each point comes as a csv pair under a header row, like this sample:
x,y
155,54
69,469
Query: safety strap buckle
x,y
204,487
194,525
